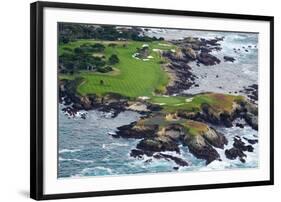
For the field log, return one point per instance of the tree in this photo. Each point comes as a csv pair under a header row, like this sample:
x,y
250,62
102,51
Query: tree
x,y
113,59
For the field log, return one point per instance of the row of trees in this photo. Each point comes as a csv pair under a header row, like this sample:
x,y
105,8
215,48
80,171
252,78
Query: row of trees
x,y
82,58
71,32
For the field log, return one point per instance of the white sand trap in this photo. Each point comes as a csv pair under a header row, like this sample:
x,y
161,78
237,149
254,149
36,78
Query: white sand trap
x,y
188,99
163,44
138,106
156,50
160,103
150,57
135,56
178,104
144,97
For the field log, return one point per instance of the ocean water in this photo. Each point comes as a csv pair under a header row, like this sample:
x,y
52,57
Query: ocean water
x,y
85,148
232,77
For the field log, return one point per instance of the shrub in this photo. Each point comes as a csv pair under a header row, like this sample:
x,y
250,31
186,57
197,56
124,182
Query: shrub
x,y
113,59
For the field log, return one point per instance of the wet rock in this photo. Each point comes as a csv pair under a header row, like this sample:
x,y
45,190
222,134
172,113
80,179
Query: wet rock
x,y
208,59
240,125
137,132
200,148
190,53
215,138
252,120
158,144
238,149
252,92
228,59
177,160
233,153
136,153
251,141
239,144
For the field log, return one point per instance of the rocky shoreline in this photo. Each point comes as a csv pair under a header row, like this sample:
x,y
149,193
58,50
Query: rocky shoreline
x,y
190,50
193,130
111,103
188,129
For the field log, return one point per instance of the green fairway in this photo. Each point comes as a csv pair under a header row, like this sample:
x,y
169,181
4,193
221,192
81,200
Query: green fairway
x,y
218,102
132,77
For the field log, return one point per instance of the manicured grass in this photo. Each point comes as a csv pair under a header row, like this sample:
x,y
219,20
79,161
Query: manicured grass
x,y
218,102
133,78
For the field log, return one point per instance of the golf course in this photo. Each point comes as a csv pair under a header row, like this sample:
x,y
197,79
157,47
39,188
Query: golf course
x,y
131,77
119,83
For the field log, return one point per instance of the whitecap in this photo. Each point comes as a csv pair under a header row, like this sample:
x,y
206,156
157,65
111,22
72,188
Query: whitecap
x,y
76,160
95,170
69,150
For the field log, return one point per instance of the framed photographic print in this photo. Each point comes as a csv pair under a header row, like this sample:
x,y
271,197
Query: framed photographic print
x,y
134,100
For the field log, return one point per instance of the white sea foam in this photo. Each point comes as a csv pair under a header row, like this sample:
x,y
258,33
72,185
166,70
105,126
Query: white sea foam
x,y
69,150
95,170
114,144
76,160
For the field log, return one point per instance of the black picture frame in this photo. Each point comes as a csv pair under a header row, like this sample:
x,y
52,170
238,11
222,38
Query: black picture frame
x,y
36,98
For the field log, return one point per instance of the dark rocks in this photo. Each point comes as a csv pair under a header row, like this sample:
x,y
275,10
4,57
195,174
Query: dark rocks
x,y
153,107
240,125
208,115
252,120
215,138
192,49
200,148
177,160
133,131
239,144
252,92
190,53
244,110
233,153
136,153
226,119
238,149
208,59
158,144
228,59
70,111
251,141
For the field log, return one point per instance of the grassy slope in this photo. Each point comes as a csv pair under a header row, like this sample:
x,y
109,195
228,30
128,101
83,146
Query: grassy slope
x,y
218,102
195,128
134,78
